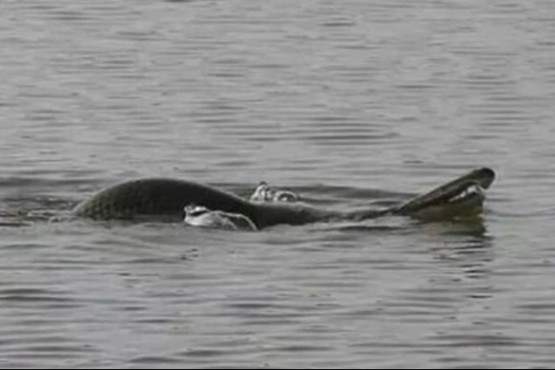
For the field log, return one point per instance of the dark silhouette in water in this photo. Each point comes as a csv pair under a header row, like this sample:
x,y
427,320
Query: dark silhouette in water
x,y
167,198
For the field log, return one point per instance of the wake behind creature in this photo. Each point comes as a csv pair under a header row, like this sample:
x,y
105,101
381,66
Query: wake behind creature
x,y
203,205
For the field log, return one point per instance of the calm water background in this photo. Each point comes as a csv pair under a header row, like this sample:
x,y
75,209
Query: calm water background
x,y
349,102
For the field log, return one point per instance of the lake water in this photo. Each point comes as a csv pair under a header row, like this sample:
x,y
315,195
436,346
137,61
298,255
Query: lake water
x,y
350,103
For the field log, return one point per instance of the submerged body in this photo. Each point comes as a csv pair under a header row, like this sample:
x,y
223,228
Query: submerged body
x,y
167,198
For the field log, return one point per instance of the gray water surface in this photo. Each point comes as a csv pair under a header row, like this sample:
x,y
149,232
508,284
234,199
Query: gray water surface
x,y
350,103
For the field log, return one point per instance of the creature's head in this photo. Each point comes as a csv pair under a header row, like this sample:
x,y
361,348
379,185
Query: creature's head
x,y
461,197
